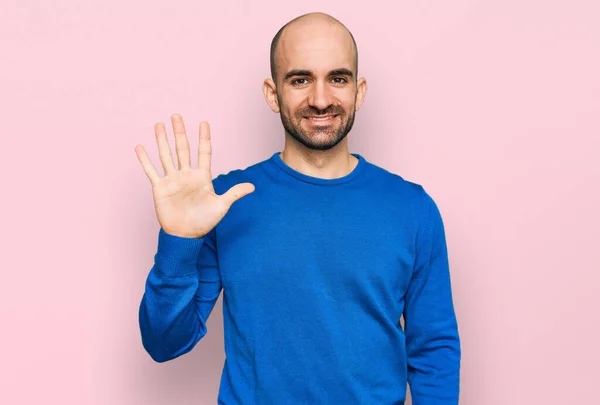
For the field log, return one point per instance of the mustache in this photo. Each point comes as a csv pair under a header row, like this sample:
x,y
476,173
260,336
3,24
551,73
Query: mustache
x,y
331,110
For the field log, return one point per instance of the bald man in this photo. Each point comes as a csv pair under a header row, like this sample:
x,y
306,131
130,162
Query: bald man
x,y
319,252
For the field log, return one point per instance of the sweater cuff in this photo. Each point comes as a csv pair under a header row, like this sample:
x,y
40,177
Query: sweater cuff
x,y
176,256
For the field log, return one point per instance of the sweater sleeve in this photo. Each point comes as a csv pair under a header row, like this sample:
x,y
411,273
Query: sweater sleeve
x,y
180,292
432,338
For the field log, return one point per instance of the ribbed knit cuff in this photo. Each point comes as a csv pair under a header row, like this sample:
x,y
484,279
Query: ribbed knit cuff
x,y
176,256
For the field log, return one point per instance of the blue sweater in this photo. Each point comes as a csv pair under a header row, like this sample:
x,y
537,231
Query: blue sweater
x,y
316,274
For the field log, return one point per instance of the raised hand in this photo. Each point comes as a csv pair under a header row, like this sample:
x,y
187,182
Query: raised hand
x,y
185,200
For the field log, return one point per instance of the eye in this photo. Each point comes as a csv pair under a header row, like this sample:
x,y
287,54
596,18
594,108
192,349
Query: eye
x,y
295,81
342,80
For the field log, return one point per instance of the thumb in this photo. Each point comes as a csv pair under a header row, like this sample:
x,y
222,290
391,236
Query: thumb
x,y
236,192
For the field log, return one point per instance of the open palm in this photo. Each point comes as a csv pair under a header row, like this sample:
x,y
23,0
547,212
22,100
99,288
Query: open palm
x,y
185,201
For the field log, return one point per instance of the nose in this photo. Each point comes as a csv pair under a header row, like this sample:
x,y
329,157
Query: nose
x,y
320,96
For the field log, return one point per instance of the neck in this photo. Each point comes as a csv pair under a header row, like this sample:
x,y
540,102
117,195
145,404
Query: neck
x,y
326,164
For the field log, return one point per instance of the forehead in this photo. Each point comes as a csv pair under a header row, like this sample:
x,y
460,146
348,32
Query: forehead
x,y
319,48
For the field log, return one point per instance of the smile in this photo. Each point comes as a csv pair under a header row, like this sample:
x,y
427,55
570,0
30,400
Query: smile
x,y
324,119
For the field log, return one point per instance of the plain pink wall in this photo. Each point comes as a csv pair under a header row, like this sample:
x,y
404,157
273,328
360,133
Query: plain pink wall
x,y
493,106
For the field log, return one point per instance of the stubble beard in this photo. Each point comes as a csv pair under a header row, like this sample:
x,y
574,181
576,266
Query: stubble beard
x,y
321,137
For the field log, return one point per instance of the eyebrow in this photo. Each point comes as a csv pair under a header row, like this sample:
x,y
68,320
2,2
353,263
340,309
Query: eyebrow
x,y
308,73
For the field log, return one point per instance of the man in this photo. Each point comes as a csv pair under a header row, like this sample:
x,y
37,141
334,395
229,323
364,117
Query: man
x,y
318,251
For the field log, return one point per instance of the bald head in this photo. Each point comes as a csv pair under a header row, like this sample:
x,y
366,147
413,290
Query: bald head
x,y
307,27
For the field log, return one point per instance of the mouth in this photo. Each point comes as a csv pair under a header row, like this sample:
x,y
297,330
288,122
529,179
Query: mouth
x,y
321,119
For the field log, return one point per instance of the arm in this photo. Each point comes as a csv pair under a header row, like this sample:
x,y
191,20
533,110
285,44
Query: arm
x,y
181,291
432,338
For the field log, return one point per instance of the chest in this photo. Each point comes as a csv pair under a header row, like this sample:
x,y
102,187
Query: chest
x,y
339,249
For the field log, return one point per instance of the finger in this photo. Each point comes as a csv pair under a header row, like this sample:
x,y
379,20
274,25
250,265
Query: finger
x,y
147,164
164,151
236,192
204,147
182,146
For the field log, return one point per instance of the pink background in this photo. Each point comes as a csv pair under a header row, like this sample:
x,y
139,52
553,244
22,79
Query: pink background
x,y
494,106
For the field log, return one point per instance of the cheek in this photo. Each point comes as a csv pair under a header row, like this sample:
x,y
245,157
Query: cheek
x,y
288,106
348,102
290,112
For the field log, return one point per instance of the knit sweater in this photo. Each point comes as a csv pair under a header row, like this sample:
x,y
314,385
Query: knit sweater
x,y
316,274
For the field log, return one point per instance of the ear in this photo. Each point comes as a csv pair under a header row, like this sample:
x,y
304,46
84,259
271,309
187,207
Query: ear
x,y
270,91
361,91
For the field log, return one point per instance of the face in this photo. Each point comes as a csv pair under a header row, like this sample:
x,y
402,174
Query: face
x,y
317,92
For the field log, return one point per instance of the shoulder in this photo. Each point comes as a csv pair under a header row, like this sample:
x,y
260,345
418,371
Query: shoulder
x,y
410,192
410,195
225,181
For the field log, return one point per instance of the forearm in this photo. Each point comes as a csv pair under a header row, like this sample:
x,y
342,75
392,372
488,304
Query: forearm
x,y
176,301
168,317
434,366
